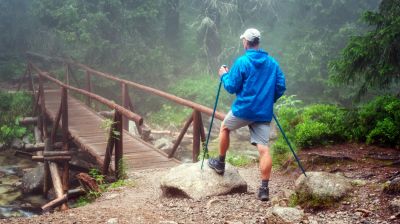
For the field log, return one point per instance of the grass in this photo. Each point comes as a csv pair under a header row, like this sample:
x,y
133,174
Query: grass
x,y
100,180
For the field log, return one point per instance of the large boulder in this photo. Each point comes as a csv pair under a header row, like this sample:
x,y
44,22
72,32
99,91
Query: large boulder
x,y
321,189
189,180
32,181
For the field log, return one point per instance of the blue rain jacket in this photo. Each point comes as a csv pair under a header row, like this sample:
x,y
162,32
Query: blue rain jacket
x,y
258,82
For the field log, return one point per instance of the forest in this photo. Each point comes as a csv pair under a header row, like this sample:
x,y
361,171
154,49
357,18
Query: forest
x,y
343,55
340,58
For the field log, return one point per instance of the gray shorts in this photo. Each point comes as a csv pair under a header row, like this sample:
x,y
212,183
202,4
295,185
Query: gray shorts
x,y
259,131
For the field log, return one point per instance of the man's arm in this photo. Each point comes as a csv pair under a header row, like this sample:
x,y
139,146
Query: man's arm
x,y
280,85
232,80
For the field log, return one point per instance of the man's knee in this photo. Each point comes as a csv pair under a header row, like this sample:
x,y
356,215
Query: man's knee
x,y
224,129
263,149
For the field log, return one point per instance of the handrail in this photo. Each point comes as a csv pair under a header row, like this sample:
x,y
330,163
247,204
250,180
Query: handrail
x,y
127,113
171,97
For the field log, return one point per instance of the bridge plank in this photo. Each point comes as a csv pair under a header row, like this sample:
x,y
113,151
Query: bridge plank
x,y
85,130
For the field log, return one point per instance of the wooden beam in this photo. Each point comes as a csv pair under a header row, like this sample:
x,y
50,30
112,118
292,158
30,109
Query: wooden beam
x,y
181,135
109,149
118,144
196,135
65,135
28,120
54,203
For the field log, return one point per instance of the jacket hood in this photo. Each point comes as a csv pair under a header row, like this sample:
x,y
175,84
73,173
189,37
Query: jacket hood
x,y
257,57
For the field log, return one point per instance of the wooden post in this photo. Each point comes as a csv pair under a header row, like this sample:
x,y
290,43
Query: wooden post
x,y
201,127
47,180
109,149
55,124
180,137
125,103
66,74
88,88
42,109
65,147
196,135
118,144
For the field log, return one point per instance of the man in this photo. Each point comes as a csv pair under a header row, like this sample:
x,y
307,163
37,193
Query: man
x,y
258,82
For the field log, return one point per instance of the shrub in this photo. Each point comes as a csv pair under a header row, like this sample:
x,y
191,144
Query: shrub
x,y
13,106
321,124
378,121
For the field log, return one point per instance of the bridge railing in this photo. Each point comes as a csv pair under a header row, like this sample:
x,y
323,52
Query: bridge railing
x,y
115,139
195,118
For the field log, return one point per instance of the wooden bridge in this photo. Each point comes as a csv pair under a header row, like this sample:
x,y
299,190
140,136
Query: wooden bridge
x,y
81,124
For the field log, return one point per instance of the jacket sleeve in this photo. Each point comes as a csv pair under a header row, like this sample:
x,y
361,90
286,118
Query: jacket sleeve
x,y
280,85
233,80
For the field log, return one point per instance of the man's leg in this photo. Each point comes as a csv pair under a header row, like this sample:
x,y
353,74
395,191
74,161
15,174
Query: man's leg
x,y
223,140
265,161
230,123
259,133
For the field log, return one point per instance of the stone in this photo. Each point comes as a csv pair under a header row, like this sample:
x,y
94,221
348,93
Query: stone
x,y
2,146
17,144
319,189
112,221
393,186
189,180
395,205
163,144
26,140
358,182
32,180
167,222
287,214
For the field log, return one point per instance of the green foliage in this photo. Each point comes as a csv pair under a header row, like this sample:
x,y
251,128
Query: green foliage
x,y
12,107
372,59
321,124
378,121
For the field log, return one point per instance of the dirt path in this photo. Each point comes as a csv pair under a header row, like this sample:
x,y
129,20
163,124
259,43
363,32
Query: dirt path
x,y
143,203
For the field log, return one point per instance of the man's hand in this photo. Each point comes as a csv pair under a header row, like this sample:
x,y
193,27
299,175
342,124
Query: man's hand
x,y
222,70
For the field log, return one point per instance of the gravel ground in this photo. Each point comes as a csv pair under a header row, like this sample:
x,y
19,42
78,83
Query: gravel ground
x,y
143,203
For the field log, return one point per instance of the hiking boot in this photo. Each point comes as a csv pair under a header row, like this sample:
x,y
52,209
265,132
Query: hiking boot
x,y
216,165
263,194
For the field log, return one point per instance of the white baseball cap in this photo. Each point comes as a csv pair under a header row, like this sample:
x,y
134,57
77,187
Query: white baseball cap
x,y
250,34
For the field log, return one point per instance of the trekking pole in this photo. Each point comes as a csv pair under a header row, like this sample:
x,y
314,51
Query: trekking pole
x,y
205,145
290,146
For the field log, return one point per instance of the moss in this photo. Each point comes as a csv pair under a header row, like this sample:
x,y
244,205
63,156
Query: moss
x,y
315,202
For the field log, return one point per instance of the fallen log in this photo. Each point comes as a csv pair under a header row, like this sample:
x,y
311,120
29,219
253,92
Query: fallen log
x,y
57,153
28,120
50,158
54,203
23,154
34,147
73,193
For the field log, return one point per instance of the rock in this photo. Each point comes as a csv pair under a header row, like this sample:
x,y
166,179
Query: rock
x,y
26,140
17,144
112,221
212,202
188,180
167,222
287,193
111,196
32,180
393,186
163,144
287,214
320,189
395,205
2,146
358,182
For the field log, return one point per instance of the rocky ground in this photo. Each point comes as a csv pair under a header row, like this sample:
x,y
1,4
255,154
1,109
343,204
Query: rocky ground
x,y
144,203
